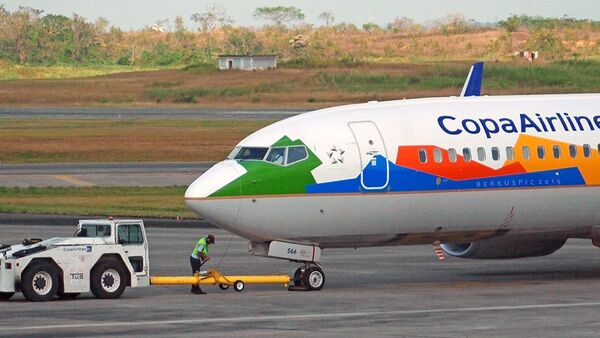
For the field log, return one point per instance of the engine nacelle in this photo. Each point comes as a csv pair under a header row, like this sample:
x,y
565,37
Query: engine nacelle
x,y
504,248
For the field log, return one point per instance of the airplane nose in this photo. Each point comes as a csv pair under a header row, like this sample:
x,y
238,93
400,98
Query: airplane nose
x,y
203,195
214,179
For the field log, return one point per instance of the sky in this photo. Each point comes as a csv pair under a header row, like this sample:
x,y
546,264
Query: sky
x,y
137,14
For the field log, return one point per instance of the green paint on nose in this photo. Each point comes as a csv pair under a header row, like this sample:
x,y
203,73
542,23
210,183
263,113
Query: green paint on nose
x,y
266,178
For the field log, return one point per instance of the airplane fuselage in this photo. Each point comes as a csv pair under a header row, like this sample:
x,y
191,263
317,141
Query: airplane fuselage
x,y
415,171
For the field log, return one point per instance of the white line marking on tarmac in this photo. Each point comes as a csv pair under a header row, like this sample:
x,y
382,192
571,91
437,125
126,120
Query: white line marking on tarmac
x,y
72,180
301,317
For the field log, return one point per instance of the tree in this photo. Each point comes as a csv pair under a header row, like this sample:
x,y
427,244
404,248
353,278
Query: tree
x,y
242,41
298,42
54,38
327,17
180,31
84,38
370,26
404,24
214,17
279,14
179,26
17,31
456,24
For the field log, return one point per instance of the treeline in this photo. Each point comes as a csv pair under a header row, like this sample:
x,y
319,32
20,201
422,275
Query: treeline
x,y
28,36
520,22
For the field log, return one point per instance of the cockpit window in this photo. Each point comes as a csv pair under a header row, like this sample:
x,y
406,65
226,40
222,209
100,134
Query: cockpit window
x,y
295,154
251,153
276,155
234,152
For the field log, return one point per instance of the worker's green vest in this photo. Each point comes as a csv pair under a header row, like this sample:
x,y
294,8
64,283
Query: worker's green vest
x,y
201,246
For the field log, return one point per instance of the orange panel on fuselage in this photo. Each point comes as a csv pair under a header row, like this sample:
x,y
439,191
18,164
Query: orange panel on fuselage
x,y
408,157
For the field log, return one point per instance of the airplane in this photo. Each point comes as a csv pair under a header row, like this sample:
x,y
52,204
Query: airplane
x,y
486,177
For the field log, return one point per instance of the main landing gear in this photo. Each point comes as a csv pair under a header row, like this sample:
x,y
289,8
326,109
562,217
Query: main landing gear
x,y
309,277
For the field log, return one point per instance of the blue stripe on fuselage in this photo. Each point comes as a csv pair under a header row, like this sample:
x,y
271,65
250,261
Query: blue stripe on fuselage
x,y
403,180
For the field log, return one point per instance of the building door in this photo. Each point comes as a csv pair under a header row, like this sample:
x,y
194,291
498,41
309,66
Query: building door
x,y
375,172
229,64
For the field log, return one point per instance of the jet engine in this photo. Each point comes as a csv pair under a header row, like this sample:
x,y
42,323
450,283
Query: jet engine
x,y
504,248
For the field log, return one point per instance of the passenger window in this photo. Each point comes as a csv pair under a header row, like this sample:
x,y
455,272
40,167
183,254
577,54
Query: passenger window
x,y
130,234
437,155
481,153
587,150
249,153
467,154
598,148
510,153
541,152
573,150
276,155
295,154
422,156
556,151
452,155
495,153
526,152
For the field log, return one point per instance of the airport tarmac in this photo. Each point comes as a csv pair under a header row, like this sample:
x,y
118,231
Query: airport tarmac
x,y
374,292
137,174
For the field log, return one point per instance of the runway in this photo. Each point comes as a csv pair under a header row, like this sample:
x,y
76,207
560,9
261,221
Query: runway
x,y
375,292
146,174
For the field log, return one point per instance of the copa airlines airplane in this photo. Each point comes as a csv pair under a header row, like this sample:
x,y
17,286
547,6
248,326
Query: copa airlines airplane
x,y
489,177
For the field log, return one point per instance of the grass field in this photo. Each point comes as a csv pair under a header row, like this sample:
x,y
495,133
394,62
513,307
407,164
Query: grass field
x,y
145,140
297,87
134,202
19,72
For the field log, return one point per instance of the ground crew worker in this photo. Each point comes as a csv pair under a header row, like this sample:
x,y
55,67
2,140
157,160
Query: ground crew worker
x,y
200,256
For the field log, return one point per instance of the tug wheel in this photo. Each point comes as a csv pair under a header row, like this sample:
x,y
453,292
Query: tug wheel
x,y
223,286
40,282
108,279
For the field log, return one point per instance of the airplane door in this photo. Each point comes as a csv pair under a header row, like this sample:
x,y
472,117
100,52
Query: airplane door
x,y
373,155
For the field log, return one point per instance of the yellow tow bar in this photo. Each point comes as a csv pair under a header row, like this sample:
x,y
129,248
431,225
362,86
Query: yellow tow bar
x,y
214,277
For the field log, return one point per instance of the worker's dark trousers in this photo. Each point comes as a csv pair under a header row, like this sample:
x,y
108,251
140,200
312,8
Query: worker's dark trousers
x,y
196,264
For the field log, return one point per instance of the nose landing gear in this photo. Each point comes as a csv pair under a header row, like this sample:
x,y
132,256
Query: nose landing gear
x,y
309,277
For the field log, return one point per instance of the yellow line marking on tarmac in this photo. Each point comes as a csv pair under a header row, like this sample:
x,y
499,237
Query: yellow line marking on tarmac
x,y
73,180
358,314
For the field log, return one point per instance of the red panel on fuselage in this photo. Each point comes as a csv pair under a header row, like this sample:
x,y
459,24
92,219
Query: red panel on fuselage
x,y
408,157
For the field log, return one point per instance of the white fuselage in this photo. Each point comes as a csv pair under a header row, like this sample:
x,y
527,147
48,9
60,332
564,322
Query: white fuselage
x,y
398,172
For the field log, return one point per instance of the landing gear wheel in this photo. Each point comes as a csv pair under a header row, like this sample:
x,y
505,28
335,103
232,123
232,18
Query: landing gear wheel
x,y
223,286
298,277
67,296
6,295
108,279
313,278
238,286
40,282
